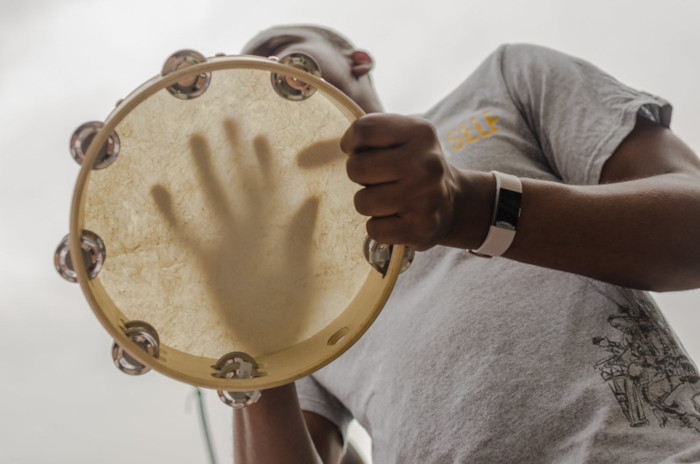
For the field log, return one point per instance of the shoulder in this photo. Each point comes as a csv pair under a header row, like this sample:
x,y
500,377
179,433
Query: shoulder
x,y
537,60
532,72
518,64
528,69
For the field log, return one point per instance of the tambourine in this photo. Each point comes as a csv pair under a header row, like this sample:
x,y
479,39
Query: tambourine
x,y
216,226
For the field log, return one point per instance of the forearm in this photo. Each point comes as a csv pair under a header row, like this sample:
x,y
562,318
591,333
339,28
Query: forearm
x,y
273,430
640,233
636,228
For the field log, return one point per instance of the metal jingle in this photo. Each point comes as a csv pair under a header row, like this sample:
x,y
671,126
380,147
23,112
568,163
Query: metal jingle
x,y
93,253
146,338
408,255
378,255
126,363
191,86
290,87
82,138
238,369
238,400
235,357
145,335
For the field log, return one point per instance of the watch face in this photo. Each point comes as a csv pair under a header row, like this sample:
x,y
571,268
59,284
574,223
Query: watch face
x,y
508,209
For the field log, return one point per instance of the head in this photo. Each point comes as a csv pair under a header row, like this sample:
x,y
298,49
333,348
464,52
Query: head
x,y
341,63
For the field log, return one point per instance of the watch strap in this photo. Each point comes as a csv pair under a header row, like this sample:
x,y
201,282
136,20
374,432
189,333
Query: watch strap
x,y
504,221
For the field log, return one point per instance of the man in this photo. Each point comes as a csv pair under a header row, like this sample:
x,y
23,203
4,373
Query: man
x,y
544,354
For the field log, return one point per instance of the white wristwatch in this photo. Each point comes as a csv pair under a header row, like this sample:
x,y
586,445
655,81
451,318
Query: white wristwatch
x,y
506,211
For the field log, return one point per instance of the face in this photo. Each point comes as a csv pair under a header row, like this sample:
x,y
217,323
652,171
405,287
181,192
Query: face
x,y
338,67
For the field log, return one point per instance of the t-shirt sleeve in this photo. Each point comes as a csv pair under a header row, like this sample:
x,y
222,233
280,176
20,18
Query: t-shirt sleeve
x,y
578,113
314,398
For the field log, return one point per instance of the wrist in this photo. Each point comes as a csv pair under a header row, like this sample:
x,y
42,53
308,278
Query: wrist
x,y
473,208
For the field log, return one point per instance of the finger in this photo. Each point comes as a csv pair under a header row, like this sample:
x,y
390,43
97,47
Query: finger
x,y
263,153
388,229
380,200
238,153
402,230
233,134
232,130
164,203
209,182
377,130
256,181
300,234
320,154
377,166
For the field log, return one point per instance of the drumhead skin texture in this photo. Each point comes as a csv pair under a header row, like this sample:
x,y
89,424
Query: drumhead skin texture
x,y
229,225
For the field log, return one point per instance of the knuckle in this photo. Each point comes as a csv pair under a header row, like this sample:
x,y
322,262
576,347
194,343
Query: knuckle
x,y
424,129
361,203
352,168
432,167
363,128
346,142
375,231
357,135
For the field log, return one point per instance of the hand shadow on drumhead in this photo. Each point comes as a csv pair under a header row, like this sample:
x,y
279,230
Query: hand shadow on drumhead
x,y
255,270
320,154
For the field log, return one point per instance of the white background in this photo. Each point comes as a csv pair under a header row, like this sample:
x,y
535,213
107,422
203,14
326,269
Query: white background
x,y
67,62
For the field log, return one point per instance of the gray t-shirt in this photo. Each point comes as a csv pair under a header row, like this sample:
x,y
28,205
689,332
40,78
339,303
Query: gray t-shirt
x,y
479,360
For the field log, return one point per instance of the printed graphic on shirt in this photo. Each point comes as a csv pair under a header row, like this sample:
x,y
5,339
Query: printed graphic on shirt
x,y
647,370
472,129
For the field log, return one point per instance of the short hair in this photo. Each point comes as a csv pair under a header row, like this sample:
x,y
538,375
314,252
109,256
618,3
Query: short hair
x,y
333,37
330,35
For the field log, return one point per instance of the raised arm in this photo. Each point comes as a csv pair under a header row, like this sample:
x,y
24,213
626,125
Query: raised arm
x,y
274,430
637,228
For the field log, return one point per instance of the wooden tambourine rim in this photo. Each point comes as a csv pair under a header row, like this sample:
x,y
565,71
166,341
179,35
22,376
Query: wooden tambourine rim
x,y
196,371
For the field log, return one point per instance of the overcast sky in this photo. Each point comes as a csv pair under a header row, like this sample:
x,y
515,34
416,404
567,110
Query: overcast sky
x,y
67,62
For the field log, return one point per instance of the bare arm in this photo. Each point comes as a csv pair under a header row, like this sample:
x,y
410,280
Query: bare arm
x,y
637,228
274,430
